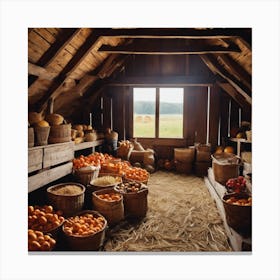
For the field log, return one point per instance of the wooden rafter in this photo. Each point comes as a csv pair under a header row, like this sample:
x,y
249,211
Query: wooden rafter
x,y
166,50
233,93
51,54
215,67
187,33
238,71
72,65
38,71
167,81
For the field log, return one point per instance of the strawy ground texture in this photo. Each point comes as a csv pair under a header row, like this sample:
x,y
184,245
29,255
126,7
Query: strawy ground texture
x,y
182,217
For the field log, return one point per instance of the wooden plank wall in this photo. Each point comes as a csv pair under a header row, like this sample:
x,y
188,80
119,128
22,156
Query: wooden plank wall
x,y
195,126
214,115
196,117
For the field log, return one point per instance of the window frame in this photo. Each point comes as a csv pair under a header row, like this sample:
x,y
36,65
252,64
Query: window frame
x,y
157,115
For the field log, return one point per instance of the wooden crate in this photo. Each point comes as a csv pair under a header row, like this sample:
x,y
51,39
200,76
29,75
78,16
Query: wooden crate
x,y
59,153
35,159
48,176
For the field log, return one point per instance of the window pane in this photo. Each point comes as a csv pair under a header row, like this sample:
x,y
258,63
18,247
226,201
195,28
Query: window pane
x,y
171,112
144,109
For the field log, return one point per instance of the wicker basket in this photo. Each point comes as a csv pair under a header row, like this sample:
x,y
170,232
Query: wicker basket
x,y
30,137
238,217
225,166
68,204
113,211
183,167
91,242
41,135
185,155
92,188
84,176
60,133
135,204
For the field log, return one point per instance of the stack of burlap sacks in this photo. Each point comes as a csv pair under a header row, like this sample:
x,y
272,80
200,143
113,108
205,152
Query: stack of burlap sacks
x,y
134,152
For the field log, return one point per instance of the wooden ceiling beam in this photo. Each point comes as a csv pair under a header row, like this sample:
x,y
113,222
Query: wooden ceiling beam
x,y
232,92
187,33
215,67
166,81
34,69
160,50
238,71
51,54
72,65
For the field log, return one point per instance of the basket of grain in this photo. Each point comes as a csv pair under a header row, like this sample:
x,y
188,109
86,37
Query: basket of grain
x,y
184,154
109,203
135,198
67,197
238,208
225,166
85,231
86,174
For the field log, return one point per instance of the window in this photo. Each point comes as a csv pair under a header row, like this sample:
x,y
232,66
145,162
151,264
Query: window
x,y
144,112
158,112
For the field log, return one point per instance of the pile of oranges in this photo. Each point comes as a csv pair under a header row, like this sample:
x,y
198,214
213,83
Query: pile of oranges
x,y
95,159
37,241
84,225
137,174
109,197
44,218
109,164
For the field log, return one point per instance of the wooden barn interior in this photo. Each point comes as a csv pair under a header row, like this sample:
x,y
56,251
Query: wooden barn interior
x,y
194,187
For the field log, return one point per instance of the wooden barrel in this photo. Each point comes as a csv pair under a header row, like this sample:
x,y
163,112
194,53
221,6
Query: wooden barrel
x,y
60,133
184,154
113,211
41,135
30,137
68,203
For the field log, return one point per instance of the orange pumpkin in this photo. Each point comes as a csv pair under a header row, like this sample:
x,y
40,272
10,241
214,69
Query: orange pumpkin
x,y
229,150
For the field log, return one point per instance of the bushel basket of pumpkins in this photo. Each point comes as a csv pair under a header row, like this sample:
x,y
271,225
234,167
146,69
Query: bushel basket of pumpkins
x,y
85,231
60,132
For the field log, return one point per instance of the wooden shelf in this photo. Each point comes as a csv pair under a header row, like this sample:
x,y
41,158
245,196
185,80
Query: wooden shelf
x,y
53,161
239,141
86,145
217,192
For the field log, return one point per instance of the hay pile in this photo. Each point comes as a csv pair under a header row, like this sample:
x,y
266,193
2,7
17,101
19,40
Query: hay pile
x,y
182,217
